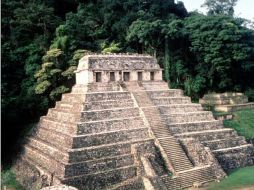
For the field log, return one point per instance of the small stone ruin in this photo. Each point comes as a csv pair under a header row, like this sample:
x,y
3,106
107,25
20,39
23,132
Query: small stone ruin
x,y
226,102
121,127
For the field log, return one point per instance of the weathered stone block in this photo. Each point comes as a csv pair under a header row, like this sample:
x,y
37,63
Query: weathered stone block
x,y
107,96
99,152
47,149
177,128
112,137
109,125
188,117
165,93
54,138
232,158
225,143
94,166
44,161
171,100
101,180
87,116
180,108
58,126
108,104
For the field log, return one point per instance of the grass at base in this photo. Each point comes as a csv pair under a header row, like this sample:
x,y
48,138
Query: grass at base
x,y
243,123
8,179
237,179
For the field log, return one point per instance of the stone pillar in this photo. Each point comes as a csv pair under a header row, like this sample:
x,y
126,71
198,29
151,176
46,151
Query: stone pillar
x,y
146,75
158,75
133,76
104,76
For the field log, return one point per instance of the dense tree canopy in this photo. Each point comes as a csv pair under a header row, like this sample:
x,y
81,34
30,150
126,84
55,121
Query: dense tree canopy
x,y
42,42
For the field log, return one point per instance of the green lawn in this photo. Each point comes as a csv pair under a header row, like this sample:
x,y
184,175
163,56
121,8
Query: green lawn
x,y
237,179
243,123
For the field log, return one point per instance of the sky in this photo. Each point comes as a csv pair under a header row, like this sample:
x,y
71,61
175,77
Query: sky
x,y
243,8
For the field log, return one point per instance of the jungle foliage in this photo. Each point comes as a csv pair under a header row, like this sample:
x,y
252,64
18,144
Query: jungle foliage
x,y
42,42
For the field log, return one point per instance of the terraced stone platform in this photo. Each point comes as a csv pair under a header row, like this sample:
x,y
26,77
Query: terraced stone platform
x,y
227,102
128,135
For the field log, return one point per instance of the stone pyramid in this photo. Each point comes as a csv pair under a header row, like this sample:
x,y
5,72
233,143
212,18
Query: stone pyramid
x,y
122,128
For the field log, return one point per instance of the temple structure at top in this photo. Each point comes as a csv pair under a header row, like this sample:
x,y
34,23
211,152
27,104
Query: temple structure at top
x,y
119,67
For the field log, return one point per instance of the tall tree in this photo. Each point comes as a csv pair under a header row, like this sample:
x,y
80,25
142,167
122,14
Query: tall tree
x,y
216,7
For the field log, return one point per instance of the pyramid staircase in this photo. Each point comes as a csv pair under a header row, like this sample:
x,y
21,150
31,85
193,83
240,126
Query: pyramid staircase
x,y
188,120
185,174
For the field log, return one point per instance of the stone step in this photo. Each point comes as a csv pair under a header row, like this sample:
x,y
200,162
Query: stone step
x,y
176,154
201,175
110,137
102,96
62,169
236,107
108,104
44,161
225,143
103,151
94,166
63,116
209,134
61,127
142,99
187,178
164,93
98,115
233,149
48,149
161,134
154,85
188,117
73,98
101,180
171,100
79,89
176,108
104,87
186,127
235,157
109,125
68,106
130,184
81,181
54,138
132,86
61,140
